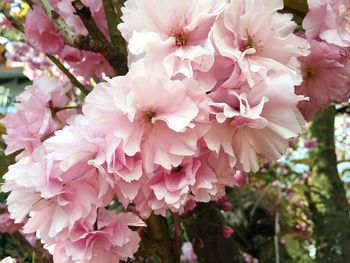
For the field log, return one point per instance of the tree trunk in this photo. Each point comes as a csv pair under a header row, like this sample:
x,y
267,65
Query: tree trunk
x,y
204,226
327,200
165,247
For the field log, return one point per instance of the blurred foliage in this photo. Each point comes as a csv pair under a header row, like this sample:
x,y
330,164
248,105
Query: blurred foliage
x,y
9,247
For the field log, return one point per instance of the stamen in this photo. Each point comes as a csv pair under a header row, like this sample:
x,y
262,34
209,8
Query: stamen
x,y
149,115
249,43
180,39
177,169
310,73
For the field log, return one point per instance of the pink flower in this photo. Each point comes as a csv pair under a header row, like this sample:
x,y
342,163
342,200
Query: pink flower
x,y
326,74
201,178
226,206
34,119
80,146
26,180
40,188
252,121
85,64
329,20
111,240
173,187
227,231
8,260
4,23
310,144
189,206
7,225
65,210
156,117
188,254
41,34
175,33
208,184
92,65
250,259
258,40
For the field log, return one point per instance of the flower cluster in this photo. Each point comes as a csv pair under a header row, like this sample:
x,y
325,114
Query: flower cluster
x,y
326,70
209,94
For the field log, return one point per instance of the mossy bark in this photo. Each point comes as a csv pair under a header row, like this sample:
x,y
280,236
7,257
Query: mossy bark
x,y
326,195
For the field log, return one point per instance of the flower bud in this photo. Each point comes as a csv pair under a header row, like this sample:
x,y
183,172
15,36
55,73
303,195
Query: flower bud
x,y
240,178
227,231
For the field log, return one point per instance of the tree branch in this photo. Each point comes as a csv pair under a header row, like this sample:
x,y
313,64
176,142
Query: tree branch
x,y
157,228
71,77
71,39
116,56
5,8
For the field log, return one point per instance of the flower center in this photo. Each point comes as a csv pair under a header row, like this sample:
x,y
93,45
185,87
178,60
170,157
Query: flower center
x,y
310,73
247,44
149,115
177,169
180,38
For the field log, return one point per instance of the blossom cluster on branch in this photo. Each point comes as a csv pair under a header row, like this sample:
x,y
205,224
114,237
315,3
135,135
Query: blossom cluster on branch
x,y
213,88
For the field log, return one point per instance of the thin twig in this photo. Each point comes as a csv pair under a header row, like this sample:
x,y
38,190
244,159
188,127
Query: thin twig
x,y
5,8
178,235
86,17
277,228
71,38
71,77
251,214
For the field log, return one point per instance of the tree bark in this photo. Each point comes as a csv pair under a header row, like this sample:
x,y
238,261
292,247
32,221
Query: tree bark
x,y
164,246
327,200
204,226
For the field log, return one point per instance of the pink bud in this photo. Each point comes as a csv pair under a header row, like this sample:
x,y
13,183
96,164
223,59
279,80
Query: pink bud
x,y
240,178
292,141
227,231
226,206
310,144
189,206
222,199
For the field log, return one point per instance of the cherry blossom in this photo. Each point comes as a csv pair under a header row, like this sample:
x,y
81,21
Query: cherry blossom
x,y
326,78
258,40
35,115
329,20
175,33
